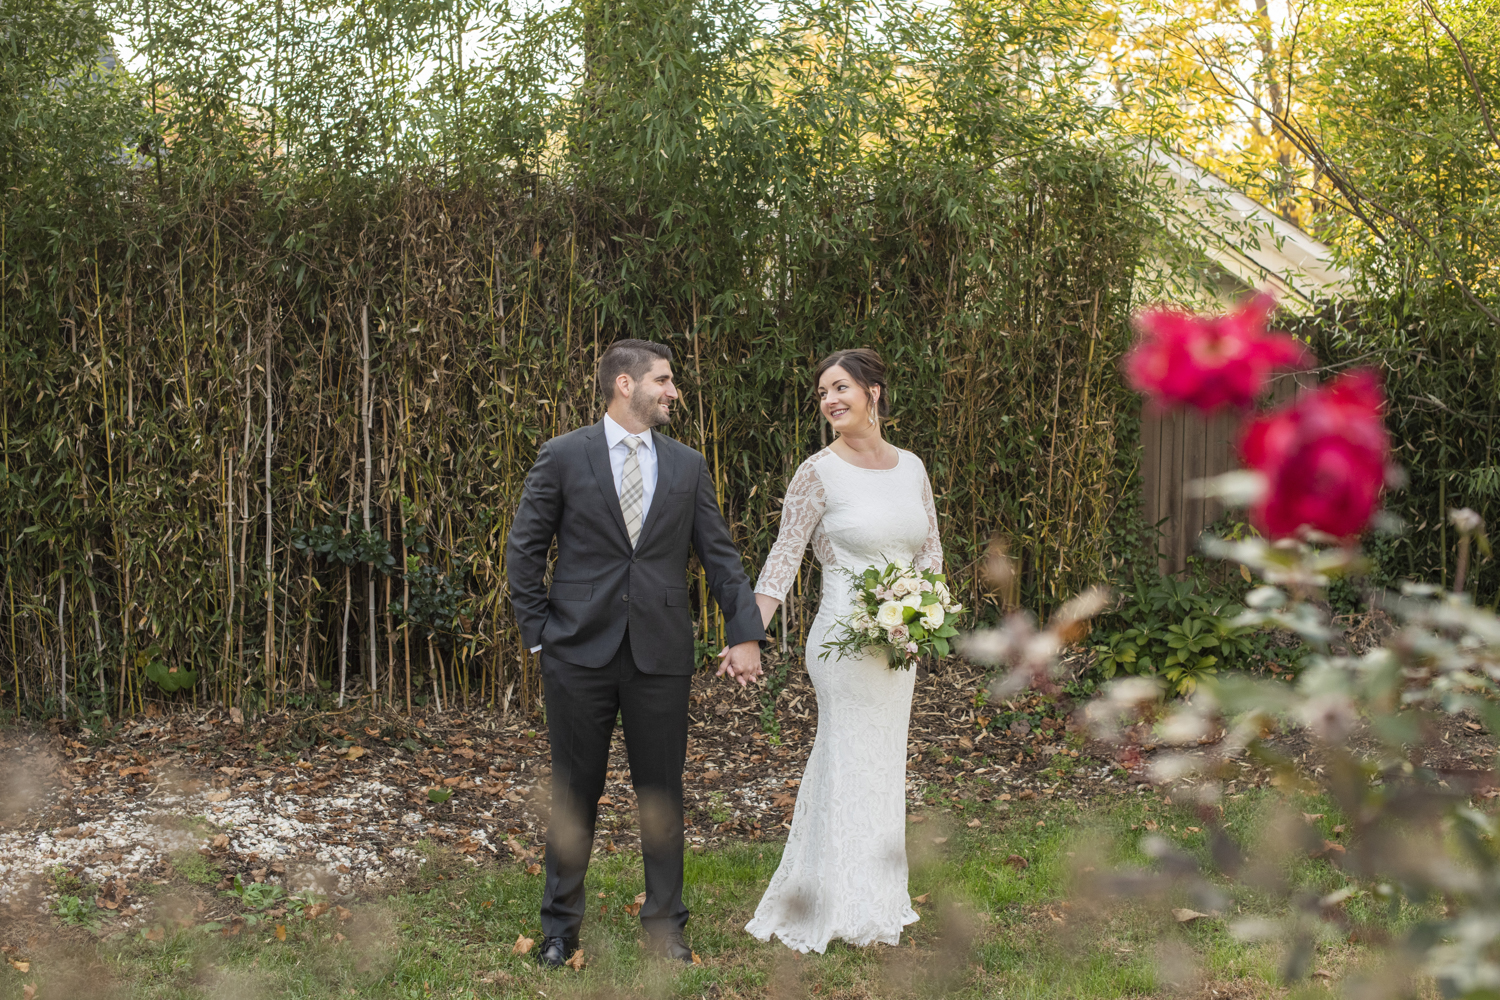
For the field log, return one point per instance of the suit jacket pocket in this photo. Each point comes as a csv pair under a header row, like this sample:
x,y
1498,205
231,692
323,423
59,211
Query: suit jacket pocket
x,y
677,597
571,592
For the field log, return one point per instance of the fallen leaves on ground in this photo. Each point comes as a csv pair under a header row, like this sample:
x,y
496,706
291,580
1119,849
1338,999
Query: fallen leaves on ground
x,y
1330,852
522,946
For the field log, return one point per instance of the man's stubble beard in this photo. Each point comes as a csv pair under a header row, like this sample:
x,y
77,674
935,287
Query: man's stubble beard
x,y
649,413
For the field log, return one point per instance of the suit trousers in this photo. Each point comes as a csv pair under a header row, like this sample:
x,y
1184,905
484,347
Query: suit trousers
x,y
582,704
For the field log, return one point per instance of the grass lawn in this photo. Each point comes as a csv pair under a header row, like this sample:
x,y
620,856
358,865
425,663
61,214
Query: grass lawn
x,y
991,926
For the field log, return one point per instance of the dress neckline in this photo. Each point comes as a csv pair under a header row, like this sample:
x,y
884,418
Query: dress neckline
x,y
900,457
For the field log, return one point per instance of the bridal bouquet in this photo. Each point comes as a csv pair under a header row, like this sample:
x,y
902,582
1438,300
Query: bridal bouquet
x,y
903,612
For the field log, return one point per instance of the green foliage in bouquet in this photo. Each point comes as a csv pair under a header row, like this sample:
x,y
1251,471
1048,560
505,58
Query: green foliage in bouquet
x,y
900,611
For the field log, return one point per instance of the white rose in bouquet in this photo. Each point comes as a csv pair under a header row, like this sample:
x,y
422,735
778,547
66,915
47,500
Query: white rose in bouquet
x,y
933,619
890,614
946,596
904,586
912,600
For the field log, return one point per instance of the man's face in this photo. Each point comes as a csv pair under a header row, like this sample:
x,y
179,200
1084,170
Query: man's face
x,y
651,398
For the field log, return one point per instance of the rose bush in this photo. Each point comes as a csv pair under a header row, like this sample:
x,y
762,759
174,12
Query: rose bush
x,y
1209,363
1421,845
1325,458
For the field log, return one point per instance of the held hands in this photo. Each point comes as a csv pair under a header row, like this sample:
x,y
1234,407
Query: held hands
x,y
741,662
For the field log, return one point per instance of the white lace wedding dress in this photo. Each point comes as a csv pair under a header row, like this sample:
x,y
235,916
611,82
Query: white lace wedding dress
x,y
843,874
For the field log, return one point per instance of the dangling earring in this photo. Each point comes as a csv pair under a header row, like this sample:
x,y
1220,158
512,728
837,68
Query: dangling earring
x,y
874,404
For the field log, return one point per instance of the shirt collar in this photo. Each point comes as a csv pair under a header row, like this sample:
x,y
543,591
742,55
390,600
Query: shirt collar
x,y
614,434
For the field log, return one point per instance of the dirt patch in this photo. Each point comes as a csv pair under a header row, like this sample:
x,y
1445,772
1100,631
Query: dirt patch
x,y
342,802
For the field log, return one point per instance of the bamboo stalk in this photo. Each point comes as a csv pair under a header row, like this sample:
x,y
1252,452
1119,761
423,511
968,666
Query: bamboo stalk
x,y
62,646
239,673
228,466
15,656
385,474
270,664
348,591
405,580
10,586
365,420
98,632
305,652
187,385
344,638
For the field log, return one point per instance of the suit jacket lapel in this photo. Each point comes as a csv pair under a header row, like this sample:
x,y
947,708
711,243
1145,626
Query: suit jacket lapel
x,y
666,466
598,452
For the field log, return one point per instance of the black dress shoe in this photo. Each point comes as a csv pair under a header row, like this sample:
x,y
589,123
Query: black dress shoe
x,y
556,951
672,946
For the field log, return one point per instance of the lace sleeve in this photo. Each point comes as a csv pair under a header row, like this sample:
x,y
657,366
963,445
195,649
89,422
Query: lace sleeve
x,y
800,514
930,555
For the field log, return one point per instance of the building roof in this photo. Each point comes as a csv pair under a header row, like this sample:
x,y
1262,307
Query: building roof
x,y
1251,243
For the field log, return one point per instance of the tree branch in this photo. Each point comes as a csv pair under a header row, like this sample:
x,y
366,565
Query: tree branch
x,y
1463,58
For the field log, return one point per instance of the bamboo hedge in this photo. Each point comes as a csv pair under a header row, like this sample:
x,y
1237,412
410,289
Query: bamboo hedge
x,y
276,356
1440,361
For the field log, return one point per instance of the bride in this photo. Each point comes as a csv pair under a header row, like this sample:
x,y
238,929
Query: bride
x,y
861,502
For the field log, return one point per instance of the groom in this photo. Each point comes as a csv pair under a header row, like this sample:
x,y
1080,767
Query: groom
x,y
625,505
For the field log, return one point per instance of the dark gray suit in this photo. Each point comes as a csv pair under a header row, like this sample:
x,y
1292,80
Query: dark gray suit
x,y
616,631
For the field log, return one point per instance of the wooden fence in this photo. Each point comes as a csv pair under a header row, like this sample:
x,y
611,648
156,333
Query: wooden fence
x,y
1180,448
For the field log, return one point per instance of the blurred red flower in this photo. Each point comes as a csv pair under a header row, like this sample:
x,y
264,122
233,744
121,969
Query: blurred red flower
x,y
1324,456
1209,362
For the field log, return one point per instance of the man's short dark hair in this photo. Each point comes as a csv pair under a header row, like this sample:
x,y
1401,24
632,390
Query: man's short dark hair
x,y
628,357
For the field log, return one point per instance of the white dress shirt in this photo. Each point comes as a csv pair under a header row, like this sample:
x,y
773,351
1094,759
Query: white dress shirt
x,y
614,436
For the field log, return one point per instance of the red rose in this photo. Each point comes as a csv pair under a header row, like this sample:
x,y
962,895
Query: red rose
x,y
1324,457
1209,362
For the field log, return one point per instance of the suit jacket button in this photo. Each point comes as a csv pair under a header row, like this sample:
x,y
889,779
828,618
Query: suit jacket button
x,y
624,597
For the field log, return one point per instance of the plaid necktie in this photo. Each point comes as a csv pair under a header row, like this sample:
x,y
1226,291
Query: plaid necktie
x,y
632,493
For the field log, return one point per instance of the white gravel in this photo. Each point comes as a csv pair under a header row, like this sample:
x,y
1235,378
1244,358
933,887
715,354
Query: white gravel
x,y
332,841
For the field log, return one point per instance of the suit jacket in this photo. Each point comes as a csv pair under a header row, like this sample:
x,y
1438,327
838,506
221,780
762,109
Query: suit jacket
x,y
600,585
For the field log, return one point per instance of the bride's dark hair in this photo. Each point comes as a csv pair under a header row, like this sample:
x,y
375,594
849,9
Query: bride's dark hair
x,y
864,367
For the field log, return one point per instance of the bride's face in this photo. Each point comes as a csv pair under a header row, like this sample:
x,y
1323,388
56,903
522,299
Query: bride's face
x,y
844,402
